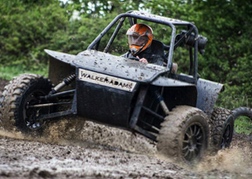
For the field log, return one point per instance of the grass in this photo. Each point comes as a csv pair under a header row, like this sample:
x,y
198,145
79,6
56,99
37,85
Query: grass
x,y
243,125
8,72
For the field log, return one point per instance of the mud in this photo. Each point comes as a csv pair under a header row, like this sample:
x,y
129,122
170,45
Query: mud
x,y
75,148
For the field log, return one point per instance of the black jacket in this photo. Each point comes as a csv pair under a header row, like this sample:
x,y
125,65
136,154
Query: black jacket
x,y
154,54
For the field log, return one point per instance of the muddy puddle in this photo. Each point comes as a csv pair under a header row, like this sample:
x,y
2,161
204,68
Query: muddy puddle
x,y
79,149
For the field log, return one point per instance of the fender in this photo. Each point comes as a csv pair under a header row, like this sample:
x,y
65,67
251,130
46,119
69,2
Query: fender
x,y
60,65
208,92
64,57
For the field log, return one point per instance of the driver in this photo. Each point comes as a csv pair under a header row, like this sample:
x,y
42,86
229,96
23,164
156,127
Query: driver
x,y
140,37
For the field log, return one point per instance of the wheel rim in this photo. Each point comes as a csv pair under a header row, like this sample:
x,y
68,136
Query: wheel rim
x,y
192,143
227,136
31,114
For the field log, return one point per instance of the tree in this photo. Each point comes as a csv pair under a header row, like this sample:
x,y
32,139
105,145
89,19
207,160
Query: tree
x,y
26,28
227,25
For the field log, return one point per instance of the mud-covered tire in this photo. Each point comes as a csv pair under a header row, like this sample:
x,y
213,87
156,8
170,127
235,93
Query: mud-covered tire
x,y
21,92
242,111
221,129
183,136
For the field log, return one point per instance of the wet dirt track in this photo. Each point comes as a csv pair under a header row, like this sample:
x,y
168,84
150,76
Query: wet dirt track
x,y
88,150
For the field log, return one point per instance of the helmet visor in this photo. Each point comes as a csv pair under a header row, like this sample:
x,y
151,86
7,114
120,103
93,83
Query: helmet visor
x,y
136,39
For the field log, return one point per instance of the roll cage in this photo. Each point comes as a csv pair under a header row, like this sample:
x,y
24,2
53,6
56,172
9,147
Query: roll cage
x,y
176,39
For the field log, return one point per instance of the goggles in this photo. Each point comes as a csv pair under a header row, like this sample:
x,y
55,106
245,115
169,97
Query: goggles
x,y
136,39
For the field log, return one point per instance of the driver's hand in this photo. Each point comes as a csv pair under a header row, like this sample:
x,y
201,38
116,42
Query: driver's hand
x,y
143,60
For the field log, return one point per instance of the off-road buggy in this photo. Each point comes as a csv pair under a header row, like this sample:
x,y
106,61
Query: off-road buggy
x,y
173,109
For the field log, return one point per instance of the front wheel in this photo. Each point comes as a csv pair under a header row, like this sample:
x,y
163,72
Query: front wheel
x,y
184,135
19,100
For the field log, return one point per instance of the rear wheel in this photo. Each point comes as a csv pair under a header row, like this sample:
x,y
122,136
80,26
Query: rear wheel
x,y
221,128
18,100
184,135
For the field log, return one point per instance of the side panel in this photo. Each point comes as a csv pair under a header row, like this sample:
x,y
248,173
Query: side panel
x,y
180,95
104,98
208,92
172,82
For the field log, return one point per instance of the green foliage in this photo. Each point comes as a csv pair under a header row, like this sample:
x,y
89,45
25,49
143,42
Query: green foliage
x,y
228,54
27,27
243,125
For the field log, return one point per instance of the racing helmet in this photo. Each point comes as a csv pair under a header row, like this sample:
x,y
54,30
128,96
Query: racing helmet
x,y
139,38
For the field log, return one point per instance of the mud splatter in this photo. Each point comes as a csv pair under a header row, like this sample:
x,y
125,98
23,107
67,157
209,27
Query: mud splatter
x,y
85,149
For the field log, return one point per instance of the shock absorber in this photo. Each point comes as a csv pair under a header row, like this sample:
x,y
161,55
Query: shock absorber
x,y
66,81
162,103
